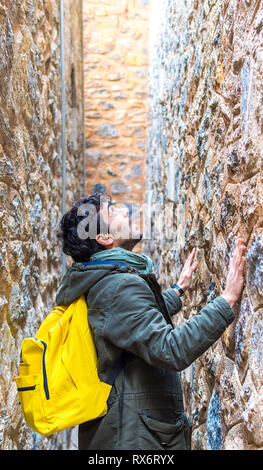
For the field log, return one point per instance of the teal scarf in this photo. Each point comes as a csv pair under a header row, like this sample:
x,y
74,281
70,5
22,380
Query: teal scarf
x,y
138,261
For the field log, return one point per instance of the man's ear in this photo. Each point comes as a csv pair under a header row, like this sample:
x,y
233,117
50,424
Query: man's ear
x,y
104,239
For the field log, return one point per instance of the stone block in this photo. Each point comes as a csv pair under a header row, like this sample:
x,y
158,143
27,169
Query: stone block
x,y
108,130
255,264
213,424
236,438
119,187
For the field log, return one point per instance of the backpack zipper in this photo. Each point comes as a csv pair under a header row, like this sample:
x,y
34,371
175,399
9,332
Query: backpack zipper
x,y
44,369
24,389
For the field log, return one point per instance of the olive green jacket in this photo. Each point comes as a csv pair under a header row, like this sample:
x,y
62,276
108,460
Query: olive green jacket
x,y
145,406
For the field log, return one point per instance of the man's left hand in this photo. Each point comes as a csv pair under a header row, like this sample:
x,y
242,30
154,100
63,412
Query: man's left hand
x,y
188,269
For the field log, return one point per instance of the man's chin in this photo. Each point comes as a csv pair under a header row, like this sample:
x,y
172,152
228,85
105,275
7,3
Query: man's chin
x,y
130,243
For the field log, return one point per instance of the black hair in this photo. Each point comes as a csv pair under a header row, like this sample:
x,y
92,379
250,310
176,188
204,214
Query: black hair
x,y
82,248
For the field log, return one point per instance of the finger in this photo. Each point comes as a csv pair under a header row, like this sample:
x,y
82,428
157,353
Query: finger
x,y
238,250
241,270
189,258
240,241
242,263
194,266
240,245
240,254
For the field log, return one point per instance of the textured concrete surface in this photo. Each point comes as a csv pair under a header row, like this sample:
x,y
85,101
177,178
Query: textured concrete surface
x,y
204,189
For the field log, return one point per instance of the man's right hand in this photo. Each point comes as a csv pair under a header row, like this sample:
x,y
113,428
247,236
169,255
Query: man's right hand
x,y
235,277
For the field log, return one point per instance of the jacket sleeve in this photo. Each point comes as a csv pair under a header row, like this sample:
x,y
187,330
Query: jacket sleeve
x,y
172,301
133,323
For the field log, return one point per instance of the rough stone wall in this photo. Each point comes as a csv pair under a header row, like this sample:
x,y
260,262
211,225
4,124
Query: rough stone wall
x,y
204,187
116,91
31,183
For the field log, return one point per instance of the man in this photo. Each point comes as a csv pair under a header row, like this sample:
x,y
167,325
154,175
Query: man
x,y
145,406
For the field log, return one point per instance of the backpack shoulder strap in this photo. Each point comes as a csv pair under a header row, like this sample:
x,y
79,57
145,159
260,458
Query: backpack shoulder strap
x,y
117,368
156,288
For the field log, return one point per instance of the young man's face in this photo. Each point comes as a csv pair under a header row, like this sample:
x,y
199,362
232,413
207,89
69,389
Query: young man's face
x,y
124,232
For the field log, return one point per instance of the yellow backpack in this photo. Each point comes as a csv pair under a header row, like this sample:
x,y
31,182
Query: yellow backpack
x,y
58,383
